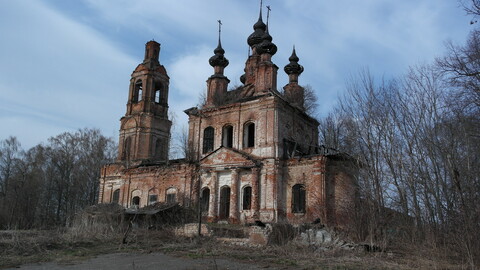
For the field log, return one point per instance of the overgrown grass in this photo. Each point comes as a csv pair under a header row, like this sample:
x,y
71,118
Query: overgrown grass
x,y
21,247
89,237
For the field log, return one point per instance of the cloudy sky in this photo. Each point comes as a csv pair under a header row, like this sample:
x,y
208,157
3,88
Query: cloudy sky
x,y
66,65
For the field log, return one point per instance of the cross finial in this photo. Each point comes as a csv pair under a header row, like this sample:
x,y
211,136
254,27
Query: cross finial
x,y
268,13
219,31
261,5
219,27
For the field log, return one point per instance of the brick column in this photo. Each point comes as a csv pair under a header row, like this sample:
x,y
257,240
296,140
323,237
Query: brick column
x,y
234,197
255,192
214,193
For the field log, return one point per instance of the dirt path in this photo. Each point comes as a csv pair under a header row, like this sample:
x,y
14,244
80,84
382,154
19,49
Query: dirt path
x,y
133,261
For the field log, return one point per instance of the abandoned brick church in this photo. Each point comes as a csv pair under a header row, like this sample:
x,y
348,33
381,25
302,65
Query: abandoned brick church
x,y
253,151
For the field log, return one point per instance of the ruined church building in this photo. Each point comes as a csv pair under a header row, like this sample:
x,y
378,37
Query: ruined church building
x,y
253,152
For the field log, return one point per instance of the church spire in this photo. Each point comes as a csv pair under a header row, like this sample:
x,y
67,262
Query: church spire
x,y
217,83
267,46
293,91
293,69
219,60
258,31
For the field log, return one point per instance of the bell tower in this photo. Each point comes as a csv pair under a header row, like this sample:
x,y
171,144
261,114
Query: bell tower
x,y
145,128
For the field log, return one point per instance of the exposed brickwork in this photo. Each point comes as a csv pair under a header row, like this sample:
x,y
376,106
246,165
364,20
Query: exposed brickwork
x,y
253,171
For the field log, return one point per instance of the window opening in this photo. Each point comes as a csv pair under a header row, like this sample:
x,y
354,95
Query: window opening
x,y
116,196
208,134
247,198
205,199
298,198
249,135
159,94
138,93
227,136
136,201
171,195
152,199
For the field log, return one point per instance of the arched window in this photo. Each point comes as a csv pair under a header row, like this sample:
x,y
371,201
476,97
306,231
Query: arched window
x,y
227,136
138,91
247,198
136,201
116,196
208,134
205,199
298,198
171,195
249,135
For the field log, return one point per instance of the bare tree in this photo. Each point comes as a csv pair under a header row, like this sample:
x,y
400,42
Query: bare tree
x,y
472,7
461,66
47,184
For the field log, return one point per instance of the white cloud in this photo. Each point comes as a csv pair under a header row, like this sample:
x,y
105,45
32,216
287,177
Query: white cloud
x,y
57,71
61,69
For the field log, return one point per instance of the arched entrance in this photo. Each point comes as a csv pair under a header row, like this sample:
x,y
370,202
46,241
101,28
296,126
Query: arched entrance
x,y
224,202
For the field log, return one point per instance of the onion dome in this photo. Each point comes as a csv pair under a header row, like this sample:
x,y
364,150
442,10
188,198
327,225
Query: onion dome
x,y
266,46
243,78
218,60
259,29
293,67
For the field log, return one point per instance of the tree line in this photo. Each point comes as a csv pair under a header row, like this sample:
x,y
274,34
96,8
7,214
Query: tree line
x,y
47,184
417,142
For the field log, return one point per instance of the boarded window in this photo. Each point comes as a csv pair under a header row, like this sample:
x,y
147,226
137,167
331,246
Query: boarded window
x,y
249,135
205,199
247,198
208,134
116,196
298,198
227,136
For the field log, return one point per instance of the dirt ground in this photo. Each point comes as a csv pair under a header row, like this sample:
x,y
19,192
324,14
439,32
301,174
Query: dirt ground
x,y
137,261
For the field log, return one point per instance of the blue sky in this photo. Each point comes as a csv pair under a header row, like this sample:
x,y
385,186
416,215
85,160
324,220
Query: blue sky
x,y
66,65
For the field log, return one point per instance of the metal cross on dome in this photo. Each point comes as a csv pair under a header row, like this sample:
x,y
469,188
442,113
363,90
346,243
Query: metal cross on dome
x,y
268,13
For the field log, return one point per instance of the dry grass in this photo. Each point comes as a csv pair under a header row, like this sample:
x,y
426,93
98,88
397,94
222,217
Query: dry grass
x,y
20,247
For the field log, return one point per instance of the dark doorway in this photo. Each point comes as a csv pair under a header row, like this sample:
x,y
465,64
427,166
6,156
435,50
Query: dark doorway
x,y
224,202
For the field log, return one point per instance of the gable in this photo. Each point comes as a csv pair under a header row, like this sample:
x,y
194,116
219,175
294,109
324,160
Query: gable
x,y
226,157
